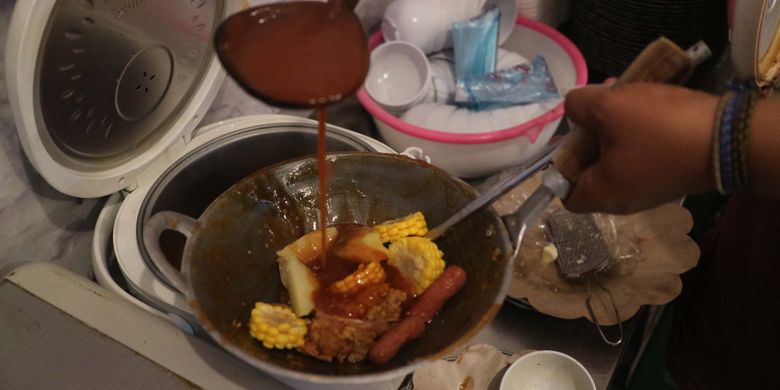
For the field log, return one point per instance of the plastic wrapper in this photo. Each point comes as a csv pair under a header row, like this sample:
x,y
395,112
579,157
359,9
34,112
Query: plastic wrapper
x,y
619,241
521,84
478,366
619,238
475,44
649,250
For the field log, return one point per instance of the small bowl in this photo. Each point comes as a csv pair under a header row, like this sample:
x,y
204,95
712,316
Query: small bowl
x,y
399,76
479,154
547,370
428,23
425,24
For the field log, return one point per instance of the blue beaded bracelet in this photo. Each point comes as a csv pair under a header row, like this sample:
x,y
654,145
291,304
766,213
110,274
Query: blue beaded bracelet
x,y
729,140
725,131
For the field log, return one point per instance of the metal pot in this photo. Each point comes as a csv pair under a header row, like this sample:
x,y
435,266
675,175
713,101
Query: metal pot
x,y
230,255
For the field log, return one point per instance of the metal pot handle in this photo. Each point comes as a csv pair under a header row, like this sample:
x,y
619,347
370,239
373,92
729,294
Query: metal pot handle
x,y
157,224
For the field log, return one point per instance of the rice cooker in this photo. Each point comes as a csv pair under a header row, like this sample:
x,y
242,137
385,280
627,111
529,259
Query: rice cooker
x,y
755,43
107,97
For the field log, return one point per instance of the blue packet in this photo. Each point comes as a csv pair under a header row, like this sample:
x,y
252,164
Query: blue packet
x,y
475,44
522,84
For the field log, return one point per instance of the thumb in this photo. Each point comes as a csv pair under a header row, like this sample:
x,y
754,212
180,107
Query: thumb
x,y
590,192
581,105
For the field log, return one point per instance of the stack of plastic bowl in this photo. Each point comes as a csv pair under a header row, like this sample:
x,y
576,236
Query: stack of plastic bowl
x,y
410,87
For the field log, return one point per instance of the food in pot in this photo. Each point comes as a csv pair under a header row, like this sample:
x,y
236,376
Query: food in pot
x,y
355,297
276,326
411,225
418,259
423,310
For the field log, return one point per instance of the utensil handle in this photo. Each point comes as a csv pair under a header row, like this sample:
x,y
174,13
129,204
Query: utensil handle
x,y
153,229
661,61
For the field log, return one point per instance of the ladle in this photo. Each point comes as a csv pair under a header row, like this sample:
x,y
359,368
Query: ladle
x,y
297,54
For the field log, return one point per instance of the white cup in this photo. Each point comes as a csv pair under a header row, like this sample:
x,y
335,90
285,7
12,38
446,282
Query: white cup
x,y
443,78
465,9
547,370
399,76
428,23
508,19
424,23
443,73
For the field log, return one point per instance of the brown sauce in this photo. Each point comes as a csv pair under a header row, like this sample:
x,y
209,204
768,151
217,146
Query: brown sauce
x,y
337,268
322,167
302,54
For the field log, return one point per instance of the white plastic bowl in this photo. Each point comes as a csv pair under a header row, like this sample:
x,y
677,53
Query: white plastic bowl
x,y
399,76
480,154
547,370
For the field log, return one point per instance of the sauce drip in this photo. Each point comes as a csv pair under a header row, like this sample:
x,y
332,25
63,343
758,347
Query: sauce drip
x,y
300,54
322,167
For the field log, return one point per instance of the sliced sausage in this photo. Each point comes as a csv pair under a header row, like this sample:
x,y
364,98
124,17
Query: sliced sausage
x,y
424,308
403,331
432,299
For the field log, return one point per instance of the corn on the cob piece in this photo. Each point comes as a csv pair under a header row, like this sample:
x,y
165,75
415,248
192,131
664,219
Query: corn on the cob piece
x,y
418,259
410,225
276,326
366,275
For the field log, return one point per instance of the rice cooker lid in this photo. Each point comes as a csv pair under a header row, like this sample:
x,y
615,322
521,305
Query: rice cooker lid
x,y
100,89
755,42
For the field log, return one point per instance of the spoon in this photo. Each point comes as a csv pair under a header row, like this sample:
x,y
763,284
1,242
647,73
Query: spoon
x,y
296,55
517,175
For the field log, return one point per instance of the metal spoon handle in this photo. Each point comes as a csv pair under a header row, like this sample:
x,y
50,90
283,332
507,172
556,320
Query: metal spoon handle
x,y
517,176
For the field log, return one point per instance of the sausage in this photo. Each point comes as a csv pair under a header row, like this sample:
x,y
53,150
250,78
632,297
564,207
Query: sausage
x,y
432,299
424,308
409,328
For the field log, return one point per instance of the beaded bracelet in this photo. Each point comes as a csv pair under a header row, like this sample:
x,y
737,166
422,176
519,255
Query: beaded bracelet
x,y
740,141
739,121
729,144
716,139
728,118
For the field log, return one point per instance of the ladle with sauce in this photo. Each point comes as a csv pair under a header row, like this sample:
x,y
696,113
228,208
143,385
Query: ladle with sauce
x,y
299,54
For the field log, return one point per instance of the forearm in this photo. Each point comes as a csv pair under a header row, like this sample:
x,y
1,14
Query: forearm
x,y
763,148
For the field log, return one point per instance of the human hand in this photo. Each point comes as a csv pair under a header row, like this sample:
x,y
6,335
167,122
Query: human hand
x,y
654,145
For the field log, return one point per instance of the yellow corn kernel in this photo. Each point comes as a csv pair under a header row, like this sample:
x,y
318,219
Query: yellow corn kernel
x,y
276,326
366,275
410,225
418,259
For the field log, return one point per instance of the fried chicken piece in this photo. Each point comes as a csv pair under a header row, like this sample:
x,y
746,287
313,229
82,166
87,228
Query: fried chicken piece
x,y
339,338
389,309
332,337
